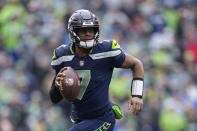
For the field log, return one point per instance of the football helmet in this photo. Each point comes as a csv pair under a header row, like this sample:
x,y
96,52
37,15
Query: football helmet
x,y
83,19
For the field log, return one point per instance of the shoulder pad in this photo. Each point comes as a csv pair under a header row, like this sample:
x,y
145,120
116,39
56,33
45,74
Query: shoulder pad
x,y
105,45
106,41
115,44
112,44
54,55
59,51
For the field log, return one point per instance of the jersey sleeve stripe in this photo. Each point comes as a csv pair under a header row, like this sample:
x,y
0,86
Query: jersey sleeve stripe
x,y
62,59
105,54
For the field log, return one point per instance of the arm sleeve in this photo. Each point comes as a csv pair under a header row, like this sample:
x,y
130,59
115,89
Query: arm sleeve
x,y
54,93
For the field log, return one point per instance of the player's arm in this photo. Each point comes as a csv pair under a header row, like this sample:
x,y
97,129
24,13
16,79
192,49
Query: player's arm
x,y
135,65
55,94
137,83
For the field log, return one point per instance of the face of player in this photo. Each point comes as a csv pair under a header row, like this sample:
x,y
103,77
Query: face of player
x,y
86,34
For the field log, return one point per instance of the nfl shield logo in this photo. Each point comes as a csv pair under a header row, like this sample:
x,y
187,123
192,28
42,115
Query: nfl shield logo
x,y
81,63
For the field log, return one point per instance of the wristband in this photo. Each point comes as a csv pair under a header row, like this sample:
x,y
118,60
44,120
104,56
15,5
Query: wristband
x,y
137,87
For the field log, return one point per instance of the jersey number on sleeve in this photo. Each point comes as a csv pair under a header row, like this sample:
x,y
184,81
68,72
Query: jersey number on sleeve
x,y
85,76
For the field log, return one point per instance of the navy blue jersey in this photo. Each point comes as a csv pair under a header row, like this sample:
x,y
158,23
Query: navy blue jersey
x,y
95,72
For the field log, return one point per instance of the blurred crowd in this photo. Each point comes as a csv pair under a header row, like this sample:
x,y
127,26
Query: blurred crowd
x,y
161,33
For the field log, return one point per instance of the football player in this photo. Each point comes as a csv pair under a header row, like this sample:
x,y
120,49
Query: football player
x,y
94,62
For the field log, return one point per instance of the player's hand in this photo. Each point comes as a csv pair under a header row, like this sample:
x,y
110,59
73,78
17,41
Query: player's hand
x,y
59,78
135,105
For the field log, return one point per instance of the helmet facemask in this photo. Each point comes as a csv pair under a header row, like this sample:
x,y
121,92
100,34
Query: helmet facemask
x,y
88,42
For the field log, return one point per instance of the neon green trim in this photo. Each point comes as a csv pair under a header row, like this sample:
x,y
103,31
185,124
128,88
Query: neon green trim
x,y
115,45
54,55
104,127
117,112
91,50
85,76
71,48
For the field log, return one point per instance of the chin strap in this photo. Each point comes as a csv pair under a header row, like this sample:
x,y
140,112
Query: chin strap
x,y
87,44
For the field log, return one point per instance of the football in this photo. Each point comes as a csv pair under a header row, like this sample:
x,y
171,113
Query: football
x,y
70,84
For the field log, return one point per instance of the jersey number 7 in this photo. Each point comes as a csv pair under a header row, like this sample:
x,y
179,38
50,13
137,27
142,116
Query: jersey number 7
x,y
85,76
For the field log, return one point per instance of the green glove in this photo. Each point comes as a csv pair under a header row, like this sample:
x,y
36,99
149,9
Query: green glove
x,y
117,112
